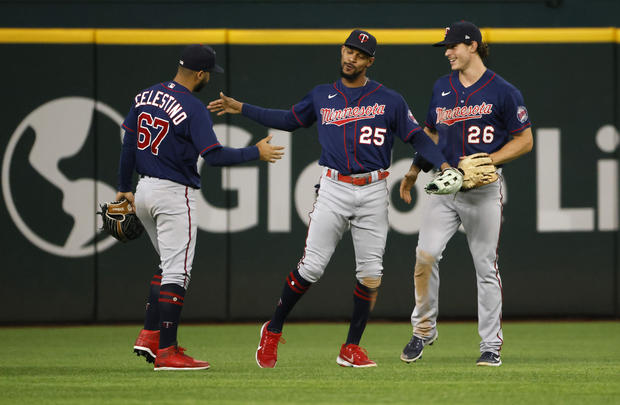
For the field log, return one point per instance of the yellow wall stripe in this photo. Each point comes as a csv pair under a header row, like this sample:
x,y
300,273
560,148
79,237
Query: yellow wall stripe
x,y
287,37
160,36
331,37
550,35
293,36
47,35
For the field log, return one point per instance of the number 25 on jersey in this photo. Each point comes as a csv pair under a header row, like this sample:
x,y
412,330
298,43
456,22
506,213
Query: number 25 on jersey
x,y
151,132
368,136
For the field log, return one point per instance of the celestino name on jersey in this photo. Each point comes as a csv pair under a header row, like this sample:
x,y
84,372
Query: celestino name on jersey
x,y
165,101
449,116
331,116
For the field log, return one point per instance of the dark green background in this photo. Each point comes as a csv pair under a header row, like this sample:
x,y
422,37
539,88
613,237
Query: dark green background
x,y
573,87
239,275
306,13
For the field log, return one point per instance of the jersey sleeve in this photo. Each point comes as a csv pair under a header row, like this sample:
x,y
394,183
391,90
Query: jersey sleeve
x,y
127,162
426,148
201,132
410,131
431,115
131,120
304,111
300,115
516,117
225,156
406,124
422,163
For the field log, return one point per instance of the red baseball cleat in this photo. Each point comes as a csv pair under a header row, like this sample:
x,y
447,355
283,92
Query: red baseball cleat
x,y
354,356
173,358
267,352
147,344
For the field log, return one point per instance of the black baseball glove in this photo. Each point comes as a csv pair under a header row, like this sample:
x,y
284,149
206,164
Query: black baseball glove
x,y
120,220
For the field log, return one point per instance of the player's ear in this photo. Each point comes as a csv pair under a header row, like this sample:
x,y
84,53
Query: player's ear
x,y
371,60
200,75
474,46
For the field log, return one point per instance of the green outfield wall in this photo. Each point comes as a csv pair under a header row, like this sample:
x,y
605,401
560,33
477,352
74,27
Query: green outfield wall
x,y
68,90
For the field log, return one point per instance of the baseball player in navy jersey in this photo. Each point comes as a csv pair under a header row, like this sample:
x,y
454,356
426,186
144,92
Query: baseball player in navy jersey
x,y
472,110
166,130
358,120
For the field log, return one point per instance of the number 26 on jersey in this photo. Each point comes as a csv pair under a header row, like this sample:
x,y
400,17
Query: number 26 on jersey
x,y
475,134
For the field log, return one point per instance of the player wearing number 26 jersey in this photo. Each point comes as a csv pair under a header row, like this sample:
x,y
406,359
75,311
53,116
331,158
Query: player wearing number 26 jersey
x,y
472,110
357,122
479,118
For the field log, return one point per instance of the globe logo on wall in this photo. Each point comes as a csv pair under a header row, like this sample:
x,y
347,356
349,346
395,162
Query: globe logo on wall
x,y
63,222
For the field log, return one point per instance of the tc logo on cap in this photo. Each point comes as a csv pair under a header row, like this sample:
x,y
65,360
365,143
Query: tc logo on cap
x,y
362,40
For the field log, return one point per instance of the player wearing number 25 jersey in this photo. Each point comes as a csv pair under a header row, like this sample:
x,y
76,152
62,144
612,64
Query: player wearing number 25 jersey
x,y
357,121
356,126
472,110
166,130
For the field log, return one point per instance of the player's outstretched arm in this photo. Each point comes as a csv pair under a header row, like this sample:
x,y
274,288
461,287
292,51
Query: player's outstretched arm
x,y
224,105
407,183
268,152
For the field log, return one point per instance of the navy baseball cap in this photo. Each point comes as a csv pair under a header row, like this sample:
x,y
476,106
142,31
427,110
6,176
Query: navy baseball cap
x,y
363,41
199,57
461,31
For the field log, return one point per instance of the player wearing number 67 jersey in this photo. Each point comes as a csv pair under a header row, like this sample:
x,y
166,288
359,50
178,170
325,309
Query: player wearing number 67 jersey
x,y
472,110
166,130
357,122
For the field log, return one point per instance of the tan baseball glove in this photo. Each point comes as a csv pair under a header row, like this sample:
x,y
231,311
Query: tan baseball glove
x,y
120,220
478,170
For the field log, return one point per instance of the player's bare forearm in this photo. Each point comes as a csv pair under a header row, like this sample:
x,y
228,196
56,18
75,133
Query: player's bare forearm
x,y
268,152
224,105
407,183
519,145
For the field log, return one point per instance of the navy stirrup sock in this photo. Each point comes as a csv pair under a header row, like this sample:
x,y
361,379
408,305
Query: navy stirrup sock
x,y
294,287
151,316
170,305
362,300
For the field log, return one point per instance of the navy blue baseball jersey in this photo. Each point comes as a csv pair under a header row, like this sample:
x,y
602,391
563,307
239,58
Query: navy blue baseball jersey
x,y
479,118
170,128
356,126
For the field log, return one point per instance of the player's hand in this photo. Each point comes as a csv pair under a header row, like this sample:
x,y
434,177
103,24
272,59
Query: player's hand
x,y
268,152
127,196
224,105
407,183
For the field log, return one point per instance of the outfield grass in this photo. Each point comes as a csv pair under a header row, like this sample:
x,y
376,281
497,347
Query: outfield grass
x,y
544,363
